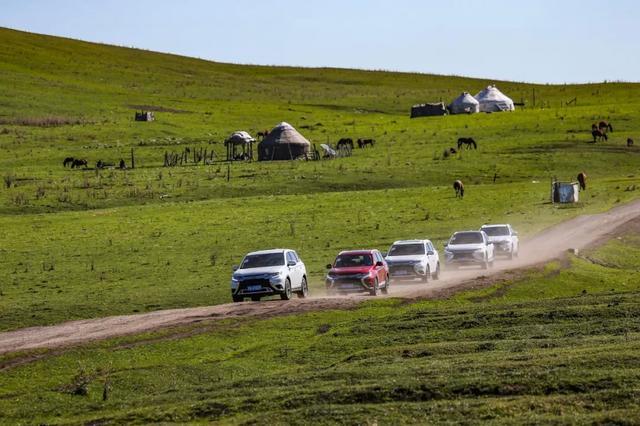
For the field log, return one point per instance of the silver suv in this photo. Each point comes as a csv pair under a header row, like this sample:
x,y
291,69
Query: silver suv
x,y
267,273
411,259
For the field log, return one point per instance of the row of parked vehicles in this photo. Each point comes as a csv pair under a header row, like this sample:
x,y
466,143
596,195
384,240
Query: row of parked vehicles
x,y
282,272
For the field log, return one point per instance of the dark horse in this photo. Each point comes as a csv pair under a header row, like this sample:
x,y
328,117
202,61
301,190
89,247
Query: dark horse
x,y
599,134
362,143
605,126
629,142
582,180
469,142
459,188
67,161
77,163
345,142
263,135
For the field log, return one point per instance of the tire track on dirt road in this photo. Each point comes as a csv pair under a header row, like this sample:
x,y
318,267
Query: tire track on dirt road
x,y
576,233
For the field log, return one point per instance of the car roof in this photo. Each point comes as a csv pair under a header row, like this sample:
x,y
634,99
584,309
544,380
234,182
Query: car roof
x,y
494,225
270,251
399,242
357,251
473,231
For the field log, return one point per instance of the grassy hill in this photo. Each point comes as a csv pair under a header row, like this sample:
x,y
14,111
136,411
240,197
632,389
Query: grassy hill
x,y
84,243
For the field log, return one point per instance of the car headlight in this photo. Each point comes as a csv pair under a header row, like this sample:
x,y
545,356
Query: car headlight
x,y
479,254
275,277
234,283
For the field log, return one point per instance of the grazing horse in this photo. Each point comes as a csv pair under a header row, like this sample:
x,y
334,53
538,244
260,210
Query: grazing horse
x,y
122,165
605,126
582,180
469,142
67,161
362,143
459,188
263,135
345,142
629,142
77,163
452,150
599,134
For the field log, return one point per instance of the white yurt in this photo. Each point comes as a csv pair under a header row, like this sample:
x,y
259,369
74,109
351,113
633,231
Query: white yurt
x,y
464,104
493,100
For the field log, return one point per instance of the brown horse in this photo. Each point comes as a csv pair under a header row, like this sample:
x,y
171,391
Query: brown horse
x,y
582,180
629,142
469,142
459,188
362,143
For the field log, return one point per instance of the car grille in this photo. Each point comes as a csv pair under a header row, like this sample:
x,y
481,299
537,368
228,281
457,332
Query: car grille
x,y
406,269
255,281
346,279
463,255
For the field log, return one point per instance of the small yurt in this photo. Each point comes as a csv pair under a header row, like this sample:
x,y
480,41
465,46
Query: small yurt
x,y
239,146
464,104
284,142
493,100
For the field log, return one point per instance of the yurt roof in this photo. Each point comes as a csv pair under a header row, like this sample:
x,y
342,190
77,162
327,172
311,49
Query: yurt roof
x,y
285,133
240,137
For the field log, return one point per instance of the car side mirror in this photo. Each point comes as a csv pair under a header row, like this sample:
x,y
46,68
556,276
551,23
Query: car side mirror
x,y
385,254
379,264
235,267
291,263
329,266
430,253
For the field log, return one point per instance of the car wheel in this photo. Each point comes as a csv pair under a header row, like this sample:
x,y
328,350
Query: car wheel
x,y
287,290
237,299
387,282
436,274
304,291
425,277
376,288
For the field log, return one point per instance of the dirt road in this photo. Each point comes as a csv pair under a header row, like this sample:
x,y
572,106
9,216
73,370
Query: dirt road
x,y
575,233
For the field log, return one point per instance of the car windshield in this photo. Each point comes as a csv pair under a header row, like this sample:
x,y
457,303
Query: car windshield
x,y
262,260
353,260
496,231
406,249
467,238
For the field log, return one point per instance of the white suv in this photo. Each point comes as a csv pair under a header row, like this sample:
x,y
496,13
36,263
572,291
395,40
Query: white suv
x,y
469,248
269,272
504,239
410,259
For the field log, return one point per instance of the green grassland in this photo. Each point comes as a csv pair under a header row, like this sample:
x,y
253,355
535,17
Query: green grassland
x,y
79,244
558,344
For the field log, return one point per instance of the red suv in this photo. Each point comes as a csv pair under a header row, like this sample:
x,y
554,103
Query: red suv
x,y
358,271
